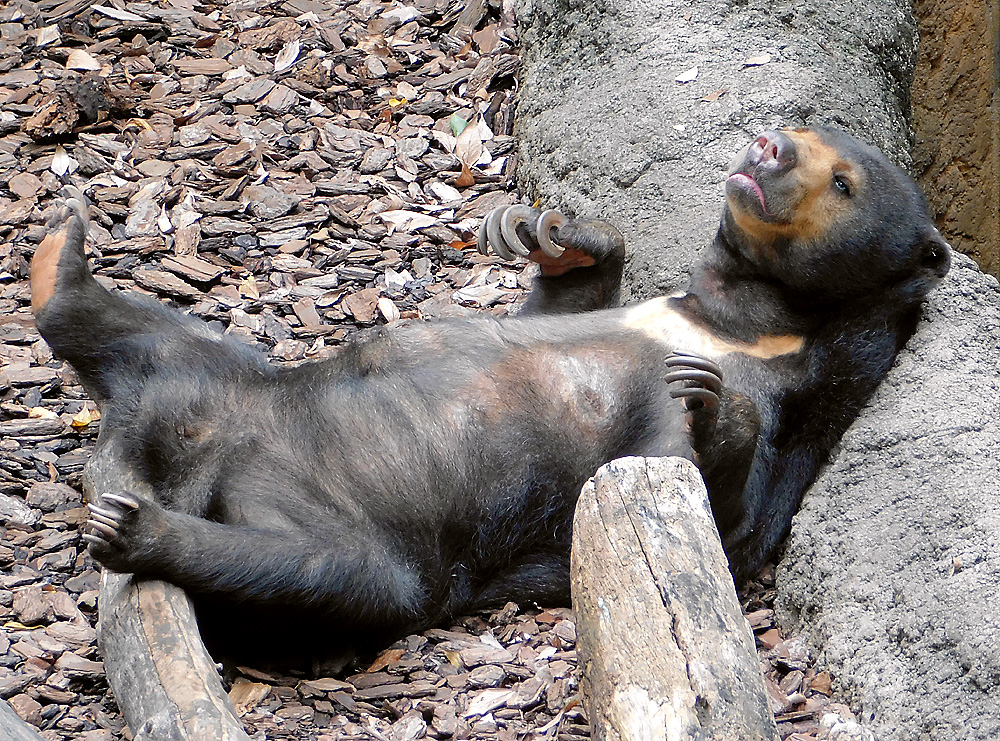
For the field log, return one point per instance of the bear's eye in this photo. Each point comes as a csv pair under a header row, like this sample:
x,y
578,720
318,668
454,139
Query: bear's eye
x,y
840,182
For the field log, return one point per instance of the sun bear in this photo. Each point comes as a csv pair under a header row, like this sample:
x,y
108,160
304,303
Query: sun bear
x,y
433,468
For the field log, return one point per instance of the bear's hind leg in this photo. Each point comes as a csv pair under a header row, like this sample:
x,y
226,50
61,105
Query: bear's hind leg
x,y
111,339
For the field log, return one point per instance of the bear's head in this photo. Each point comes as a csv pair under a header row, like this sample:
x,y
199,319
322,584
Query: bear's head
x,y
830,218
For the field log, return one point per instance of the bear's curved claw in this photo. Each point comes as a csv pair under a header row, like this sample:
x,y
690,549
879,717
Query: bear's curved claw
x,y
708,399
122,500
702,378
499,231
509,220
76,201
549,220
95,540
482,240
103,516
687,360
493,236
106,517
106,532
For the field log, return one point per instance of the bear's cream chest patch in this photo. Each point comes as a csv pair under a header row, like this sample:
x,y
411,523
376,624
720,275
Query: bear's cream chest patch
x,y
656,319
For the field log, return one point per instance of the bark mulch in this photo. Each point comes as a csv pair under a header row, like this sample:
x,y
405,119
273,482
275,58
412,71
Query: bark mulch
x,y
292,172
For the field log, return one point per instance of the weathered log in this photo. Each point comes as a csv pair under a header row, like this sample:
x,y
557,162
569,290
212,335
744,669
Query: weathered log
x,y
664,648
13,728
164,680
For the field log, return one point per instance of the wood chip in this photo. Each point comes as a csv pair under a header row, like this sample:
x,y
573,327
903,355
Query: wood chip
x,y
246,695
208,66
81,60
193,268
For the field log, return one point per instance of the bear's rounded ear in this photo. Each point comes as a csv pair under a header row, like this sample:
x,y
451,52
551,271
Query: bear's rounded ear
x,y
935,252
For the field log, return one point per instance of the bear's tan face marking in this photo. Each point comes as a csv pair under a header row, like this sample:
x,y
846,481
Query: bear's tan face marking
x,y
658,320
819,204
45,267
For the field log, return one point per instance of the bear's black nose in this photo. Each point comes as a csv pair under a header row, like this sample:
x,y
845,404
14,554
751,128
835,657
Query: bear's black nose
x,y
772,150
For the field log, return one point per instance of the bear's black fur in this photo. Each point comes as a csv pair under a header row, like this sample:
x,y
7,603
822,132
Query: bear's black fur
x,y
433,468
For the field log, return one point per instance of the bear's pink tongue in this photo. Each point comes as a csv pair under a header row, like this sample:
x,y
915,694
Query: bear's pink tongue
x,y
752,184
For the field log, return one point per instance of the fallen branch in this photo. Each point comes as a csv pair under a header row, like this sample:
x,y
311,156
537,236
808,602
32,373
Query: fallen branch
x,y
164,680
664,648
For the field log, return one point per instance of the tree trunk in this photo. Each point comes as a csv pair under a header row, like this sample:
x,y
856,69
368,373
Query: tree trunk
x,y
166,684
665,651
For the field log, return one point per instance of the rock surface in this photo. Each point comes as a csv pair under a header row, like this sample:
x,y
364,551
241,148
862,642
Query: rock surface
x,y
892,568
955,88
607,130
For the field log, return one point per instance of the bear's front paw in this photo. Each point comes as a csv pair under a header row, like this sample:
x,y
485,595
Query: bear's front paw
x,y
557,243
121,530
521,230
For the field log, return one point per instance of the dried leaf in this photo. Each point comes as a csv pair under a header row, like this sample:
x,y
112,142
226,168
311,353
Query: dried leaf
x,y
82,419
457,124
490,640
469,147
466,178
62,162
487,701
287,56
403,14
480,295
163,221
757,60
386,658
485,132
444,192
715,95
446,140
689,75
407,221
387,309
118,15
14,625
79,59
248,288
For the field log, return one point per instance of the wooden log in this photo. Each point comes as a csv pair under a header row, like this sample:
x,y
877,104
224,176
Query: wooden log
x,y
166,683
13,728
664,649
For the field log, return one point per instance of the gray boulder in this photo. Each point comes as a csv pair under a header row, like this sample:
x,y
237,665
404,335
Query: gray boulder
x,y
892,569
